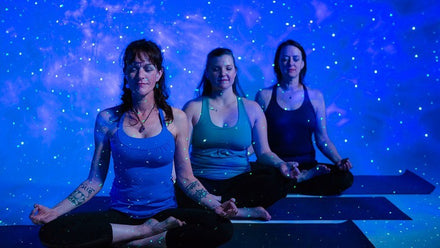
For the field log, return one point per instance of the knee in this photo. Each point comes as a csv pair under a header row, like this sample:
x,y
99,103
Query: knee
x,y
224,231
344,181
348,179
48,234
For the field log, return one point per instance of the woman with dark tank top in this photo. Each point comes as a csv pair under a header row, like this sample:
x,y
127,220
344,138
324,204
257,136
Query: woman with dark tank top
x,y
145,137
296,113
224,125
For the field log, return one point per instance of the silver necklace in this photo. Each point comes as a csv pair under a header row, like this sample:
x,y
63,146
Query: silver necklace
x,y
142,128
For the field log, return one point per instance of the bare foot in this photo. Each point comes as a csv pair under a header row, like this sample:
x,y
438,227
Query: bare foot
x,y
317,171
167,224
253,213
153,227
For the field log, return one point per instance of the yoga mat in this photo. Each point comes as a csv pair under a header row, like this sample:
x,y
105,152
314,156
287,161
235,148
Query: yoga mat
x,y
20,236
336,208
407,183
267,235
309,208
259,235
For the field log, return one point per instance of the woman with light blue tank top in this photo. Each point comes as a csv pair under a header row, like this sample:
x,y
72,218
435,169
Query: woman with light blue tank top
x,y
224,126
214,154
145,137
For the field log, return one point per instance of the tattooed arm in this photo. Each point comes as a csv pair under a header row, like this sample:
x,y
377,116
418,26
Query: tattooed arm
x,y
92,185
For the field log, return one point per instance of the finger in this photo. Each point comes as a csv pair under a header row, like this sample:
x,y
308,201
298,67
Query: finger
x,y
34,210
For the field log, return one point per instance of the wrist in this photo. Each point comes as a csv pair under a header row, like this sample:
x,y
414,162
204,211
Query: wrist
x,y
278,164
211,202
341,161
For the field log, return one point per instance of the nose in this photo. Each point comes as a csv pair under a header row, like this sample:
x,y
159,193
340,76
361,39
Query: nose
x,y
141,73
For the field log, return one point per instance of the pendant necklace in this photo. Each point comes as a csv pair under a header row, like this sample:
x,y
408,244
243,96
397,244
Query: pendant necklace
x,y
142,128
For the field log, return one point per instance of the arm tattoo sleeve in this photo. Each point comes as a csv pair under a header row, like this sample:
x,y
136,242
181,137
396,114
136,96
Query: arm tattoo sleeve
x,y
77,197
194,190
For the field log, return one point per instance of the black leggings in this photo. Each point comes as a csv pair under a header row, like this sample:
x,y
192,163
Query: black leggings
x,y
261,187
203,229
333,183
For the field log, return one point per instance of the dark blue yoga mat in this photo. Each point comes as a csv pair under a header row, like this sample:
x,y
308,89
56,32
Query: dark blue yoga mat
x,y
336,208
259,235
268,235
310,208
407,183
20,236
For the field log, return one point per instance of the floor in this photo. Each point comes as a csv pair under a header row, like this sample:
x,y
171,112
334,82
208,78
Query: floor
x,y
378,211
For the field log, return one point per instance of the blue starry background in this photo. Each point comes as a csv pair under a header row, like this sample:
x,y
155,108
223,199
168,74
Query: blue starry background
x,y
376,62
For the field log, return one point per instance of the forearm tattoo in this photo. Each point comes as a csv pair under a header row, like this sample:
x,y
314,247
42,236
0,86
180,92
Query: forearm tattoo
x,y
200,194
194,190
77,197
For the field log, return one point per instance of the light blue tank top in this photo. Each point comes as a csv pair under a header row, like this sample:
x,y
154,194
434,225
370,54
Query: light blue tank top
x,y
142,186
220,152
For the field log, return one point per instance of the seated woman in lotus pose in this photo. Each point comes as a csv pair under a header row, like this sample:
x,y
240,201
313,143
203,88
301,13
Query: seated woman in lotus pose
x,y
144,135
294,114
223,126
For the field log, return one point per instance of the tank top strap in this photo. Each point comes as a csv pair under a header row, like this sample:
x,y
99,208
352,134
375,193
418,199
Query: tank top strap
x,y
306,94
243,117
162,118
274,92
121,120
205,107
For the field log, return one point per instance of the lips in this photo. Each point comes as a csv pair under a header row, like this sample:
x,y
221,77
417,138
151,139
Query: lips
x,y
223,80
143,82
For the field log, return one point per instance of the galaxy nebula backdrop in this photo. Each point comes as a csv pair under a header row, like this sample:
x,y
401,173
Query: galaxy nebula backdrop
x,y
376,62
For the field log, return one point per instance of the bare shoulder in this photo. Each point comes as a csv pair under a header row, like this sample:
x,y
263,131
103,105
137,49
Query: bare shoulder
x,y
264,94
107,120
109,116
253,110
193,108
193,104
251,105
315,94
179,124
263,97
317,99
178,115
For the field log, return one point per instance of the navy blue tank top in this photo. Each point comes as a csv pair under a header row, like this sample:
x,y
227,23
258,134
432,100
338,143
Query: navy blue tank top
x,y
290,131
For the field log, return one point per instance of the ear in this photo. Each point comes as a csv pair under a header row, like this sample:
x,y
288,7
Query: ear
x,y
159,74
